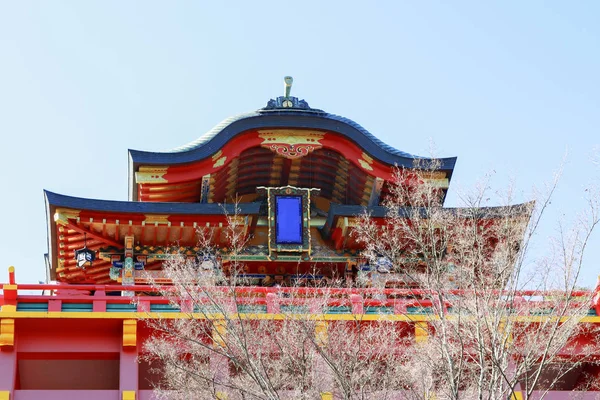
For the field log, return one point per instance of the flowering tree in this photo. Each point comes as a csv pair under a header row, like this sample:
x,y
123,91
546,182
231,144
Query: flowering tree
x,y
486,339
288,354
478,325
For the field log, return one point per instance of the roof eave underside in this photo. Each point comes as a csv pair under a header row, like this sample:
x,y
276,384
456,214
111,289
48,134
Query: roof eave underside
x,y
343,210
55,200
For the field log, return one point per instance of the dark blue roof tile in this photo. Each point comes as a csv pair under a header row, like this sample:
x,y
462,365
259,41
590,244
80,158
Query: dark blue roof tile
x,y
59,200
214,139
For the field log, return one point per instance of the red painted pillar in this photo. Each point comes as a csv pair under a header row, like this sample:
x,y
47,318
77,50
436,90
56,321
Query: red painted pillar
x,y
219,367
357,304
129,367
273,306
8,358
8,353
219,364
325,382
99,305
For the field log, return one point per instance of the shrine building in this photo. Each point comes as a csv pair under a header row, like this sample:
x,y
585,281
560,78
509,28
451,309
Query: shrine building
x,y
295,178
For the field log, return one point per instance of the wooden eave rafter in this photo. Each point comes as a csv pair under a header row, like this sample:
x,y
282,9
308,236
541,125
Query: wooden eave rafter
x,y
338,166
253,159
105,230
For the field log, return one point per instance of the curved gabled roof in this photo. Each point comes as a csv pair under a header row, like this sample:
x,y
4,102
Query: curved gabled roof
x,y
273,116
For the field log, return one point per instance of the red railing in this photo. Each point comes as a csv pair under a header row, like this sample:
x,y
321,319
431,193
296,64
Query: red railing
x,y
358,299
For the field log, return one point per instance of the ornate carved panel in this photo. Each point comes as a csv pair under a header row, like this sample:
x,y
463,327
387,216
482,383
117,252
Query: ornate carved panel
x,y
291,143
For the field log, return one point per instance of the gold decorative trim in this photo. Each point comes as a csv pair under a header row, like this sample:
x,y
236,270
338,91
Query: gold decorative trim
x,y
128,395
220,162
290,136
156,218
63,215
291,143
217,155
413,318
365,165
438,183
306,245
366,162
432,174
151,175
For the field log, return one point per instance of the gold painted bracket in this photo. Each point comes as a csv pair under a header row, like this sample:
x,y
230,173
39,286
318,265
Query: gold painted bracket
x,y
219,332
421,331
129,334
7,334
321,333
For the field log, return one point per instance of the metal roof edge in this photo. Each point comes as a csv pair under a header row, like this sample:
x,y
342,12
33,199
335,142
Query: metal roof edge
x,y
60,200
347,210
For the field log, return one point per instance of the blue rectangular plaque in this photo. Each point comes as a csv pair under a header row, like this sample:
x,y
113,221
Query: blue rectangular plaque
x,y
288,217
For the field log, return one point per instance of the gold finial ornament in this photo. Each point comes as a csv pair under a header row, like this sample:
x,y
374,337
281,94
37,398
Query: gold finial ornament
x,y
287,85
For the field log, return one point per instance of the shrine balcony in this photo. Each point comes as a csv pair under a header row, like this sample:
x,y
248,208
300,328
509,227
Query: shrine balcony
x,y
116,299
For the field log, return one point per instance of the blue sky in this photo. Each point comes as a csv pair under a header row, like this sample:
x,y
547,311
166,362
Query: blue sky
x,y
508,87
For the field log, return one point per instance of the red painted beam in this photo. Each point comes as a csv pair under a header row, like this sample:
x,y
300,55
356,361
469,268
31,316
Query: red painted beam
x,y
94,235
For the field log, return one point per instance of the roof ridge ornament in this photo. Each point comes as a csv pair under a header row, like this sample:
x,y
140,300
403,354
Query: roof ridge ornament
x,y
287,85
287,102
